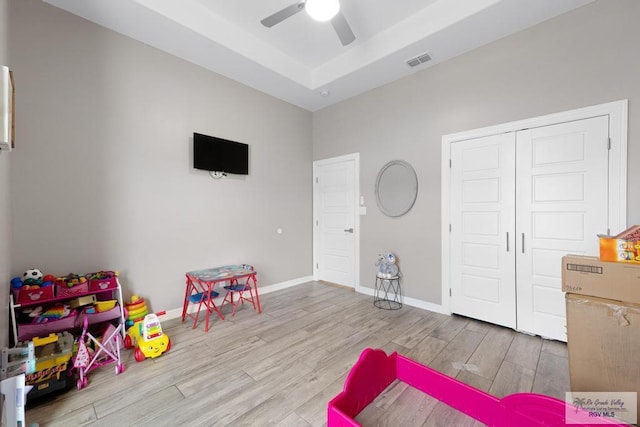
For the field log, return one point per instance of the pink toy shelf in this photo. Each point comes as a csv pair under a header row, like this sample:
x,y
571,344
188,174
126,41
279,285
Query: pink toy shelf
x,y
375,371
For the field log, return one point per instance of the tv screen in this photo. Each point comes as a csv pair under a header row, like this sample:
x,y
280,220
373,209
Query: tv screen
x,y
220,155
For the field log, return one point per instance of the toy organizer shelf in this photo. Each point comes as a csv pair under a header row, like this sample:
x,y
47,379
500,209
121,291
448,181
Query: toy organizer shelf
x,y
24,331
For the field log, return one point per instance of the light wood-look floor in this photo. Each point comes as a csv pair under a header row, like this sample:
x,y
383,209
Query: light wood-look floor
x,y
282,367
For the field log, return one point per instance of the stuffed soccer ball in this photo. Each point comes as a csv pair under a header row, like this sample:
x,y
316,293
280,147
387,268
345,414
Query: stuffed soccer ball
x,y
32,276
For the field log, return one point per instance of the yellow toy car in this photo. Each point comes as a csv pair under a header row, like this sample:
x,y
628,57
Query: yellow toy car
x,y
148,338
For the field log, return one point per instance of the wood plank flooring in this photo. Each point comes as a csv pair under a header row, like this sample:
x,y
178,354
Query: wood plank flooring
x,y
282,367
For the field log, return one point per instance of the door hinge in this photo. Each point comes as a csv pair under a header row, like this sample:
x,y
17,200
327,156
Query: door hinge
x,y
449,291
316,222
609,143
449,228
316,179
316,265
449,163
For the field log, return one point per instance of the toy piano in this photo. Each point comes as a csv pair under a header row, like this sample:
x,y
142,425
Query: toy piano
x,y
375,371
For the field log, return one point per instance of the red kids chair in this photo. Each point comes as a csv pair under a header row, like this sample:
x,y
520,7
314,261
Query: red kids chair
x,y
201,294
240,292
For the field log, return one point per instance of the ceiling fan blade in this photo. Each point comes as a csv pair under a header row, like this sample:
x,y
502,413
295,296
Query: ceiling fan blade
x,y
283,14
343,29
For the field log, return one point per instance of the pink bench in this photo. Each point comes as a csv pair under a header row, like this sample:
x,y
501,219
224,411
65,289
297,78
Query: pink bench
x,y
374,371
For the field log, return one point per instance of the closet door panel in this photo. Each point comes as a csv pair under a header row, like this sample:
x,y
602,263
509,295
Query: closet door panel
x,y
561,206
482,206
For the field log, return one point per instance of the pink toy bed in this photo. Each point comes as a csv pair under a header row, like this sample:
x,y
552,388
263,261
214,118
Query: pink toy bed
x,y
374,371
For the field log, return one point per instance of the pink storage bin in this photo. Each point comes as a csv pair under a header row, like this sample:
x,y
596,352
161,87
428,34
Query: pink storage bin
x,y
30,330
114,313
96,285
63,291
32,296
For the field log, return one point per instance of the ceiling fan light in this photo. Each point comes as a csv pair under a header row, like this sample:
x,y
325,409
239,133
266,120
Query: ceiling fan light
x,y
322,10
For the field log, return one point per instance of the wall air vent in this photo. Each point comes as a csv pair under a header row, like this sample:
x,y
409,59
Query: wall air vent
x,y
413,62
420,59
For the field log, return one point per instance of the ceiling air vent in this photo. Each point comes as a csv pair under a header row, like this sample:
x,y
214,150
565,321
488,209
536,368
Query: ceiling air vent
x,y
420,59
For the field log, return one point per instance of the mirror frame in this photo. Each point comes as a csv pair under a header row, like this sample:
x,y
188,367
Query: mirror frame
x,y
413,177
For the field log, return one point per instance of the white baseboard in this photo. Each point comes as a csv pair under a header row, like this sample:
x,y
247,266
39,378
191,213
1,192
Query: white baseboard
x,y
284,285
425,305
177,312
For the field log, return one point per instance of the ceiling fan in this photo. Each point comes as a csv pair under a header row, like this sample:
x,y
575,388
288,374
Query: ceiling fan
x,y
320,10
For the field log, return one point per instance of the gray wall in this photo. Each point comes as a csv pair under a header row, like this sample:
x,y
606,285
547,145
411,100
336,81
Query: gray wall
x,y
103,169
5,211
585,57
102,176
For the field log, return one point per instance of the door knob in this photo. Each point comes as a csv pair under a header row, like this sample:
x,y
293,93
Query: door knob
x,y
349,230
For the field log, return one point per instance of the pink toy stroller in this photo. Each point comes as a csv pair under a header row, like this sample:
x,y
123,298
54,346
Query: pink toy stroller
x,y
107,351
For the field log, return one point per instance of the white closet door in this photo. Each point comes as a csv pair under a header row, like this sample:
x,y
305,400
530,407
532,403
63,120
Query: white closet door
x,y
562,181
482,227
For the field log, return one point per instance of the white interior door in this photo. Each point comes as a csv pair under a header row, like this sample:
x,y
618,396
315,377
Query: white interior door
x,y
482,229
336,221
562,204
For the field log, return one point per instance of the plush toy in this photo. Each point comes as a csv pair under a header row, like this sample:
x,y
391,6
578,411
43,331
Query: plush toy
x,y
32,277
33,311
387,267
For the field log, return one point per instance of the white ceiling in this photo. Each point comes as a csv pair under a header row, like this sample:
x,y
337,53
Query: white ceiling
x,y
299,59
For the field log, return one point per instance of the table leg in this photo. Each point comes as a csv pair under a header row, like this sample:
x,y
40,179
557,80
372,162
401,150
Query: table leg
x,y
185,304
207,299
255,287
232,282
211,306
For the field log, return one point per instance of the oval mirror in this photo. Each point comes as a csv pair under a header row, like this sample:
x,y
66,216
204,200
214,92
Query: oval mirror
x,y
396,188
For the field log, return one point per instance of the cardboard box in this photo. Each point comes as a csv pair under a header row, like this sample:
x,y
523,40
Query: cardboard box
x,y
603,339
623,247
611,280
80,301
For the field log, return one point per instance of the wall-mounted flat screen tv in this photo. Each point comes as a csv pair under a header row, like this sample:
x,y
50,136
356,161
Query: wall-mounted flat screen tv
x,y
220,155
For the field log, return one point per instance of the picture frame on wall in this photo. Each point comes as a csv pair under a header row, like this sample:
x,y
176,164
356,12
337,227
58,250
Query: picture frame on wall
x,y
7,108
